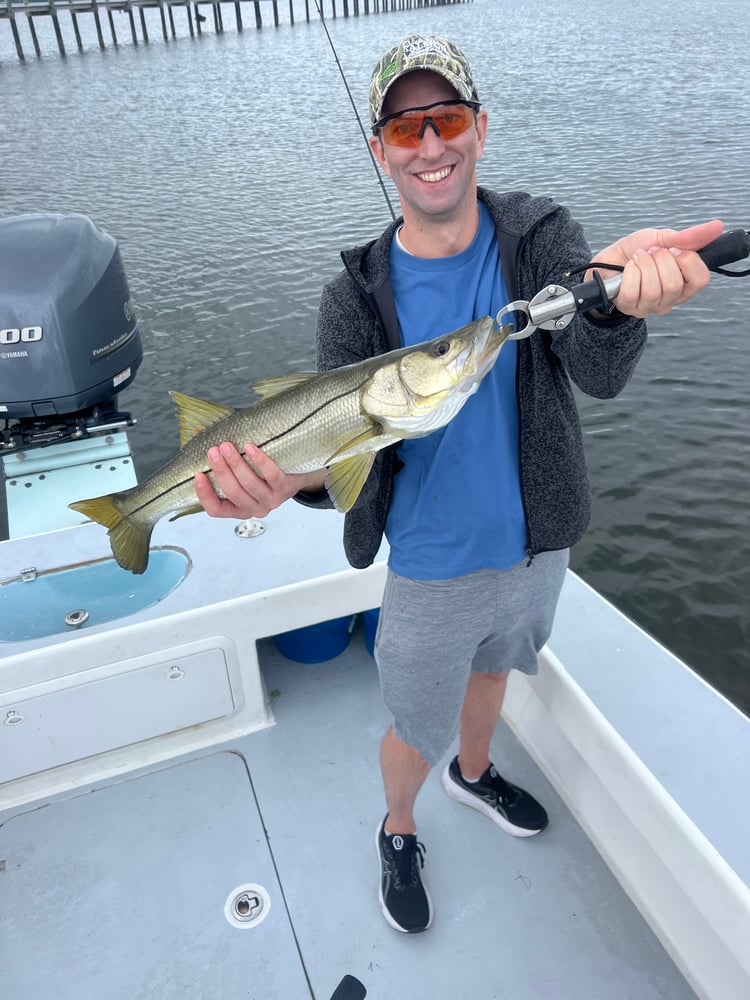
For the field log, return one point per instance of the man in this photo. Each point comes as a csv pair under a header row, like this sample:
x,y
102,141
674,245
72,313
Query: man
x,y
479,515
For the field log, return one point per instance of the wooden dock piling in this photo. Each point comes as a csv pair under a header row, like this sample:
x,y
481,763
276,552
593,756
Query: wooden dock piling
x,y
14,10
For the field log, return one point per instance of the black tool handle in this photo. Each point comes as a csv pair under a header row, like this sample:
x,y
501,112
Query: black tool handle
x,y
728,248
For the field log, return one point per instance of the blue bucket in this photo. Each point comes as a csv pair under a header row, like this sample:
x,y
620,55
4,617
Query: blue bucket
x,y
316,643
371,626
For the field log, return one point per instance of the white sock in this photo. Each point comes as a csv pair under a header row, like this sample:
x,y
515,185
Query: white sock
x,y
469,781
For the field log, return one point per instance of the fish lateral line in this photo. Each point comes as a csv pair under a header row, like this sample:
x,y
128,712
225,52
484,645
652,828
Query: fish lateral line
x,y
309,416
165,492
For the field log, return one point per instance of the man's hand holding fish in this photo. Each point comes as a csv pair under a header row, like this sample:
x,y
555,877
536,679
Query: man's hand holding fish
x,y
249,490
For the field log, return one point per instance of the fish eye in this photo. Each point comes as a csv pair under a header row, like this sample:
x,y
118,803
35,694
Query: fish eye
x,y
442,348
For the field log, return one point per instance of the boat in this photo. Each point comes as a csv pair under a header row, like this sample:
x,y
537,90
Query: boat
x,y
188,802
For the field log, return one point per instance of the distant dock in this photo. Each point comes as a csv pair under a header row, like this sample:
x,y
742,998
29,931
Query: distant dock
x,y
15,11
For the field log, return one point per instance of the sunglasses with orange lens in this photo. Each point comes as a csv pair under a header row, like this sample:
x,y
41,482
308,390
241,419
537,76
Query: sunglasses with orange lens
x,y
447,118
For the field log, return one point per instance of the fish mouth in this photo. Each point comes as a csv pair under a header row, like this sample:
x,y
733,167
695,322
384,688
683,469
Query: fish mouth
x,y
483,353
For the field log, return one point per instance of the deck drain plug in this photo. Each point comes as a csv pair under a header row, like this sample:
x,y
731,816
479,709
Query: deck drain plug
x,y
247,906
76,618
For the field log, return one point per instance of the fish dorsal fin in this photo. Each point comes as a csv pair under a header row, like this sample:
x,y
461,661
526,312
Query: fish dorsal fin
x,y
267,387
195,415
345,480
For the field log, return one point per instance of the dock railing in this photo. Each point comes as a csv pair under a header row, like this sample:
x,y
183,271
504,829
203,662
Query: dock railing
x,y
19,11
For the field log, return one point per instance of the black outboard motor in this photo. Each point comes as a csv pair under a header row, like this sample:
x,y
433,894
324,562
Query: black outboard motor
x,y
69,340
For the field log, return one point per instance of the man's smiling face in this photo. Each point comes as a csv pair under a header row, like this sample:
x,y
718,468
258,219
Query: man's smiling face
x,y
436,180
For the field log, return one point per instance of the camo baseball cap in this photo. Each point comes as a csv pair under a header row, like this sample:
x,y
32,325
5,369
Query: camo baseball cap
x,y
430,52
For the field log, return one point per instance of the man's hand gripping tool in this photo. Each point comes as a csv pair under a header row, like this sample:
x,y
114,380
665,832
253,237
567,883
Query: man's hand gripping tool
x,y
555,306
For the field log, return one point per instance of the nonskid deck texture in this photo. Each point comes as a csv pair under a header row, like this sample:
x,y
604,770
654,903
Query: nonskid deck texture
x,y
118,891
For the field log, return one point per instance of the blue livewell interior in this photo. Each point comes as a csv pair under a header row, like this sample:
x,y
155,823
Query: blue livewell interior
x,y
31,609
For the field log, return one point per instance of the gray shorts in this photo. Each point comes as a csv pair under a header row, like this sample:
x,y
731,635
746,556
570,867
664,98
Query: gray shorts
x,y
433,633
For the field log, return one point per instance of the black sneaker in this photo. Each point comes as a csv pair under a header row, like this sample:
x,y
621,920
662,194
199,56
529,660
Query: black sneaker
x,y
404,900
513,809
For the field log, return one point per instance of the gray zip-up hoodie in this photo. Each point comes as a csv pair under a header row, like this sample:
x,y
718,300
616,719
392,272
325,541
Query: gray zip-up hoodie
x,y
539,244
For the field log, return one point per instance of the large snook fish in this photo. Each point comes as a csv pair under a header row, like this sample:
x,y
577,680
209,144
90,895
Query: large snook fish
x,y
336,419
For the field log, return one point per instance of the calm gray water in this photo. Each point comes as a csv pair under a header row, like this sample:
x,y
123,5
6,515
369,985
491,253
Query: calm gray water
x,y
232,171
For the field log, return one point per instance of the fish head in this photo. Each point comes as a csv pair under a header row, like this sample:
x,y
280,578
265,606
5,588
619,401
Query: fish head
x,y
422,388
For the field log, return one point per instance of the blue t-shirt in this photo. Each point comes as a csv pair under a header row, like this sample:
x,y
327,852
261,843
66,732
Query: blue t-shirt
x,y
456,504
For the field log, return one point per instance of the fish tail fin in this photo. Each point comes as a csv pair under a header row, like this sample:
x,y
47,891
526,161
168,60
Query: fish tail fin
x,y
129,540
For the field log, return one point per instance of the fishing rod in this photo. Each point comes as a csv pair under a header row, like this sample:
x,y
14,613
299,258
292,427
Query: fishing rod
x,y
356,113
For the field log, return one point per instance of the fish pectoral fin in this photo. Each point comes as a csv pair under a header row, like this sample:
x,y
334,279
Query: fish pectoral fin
x,y
372,432
196,508
345,479
195,415
268,387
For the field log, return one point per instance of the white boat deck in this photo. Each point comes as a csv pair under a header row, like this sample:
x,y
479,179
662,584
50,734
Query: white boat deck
x,y
694,741
161,798
118,890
